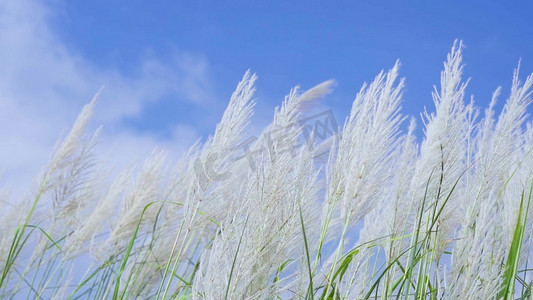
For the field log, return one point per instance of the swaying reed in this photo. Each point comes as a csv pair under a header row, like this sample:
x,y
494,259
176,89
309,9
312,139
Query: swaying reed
x,y
244,217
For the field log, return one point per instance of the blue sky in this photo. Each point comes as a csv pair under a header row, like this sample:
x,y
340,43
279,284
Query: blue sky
x,y
169,67
296,42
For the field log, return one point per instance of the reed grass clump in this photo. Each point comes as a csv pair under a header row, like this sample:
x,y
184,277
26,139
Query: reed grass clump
x,y
265,217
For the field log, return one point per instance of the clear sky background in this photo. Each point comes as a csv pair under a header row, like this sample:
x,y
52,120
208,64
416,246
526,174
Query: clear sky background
x,y
169,67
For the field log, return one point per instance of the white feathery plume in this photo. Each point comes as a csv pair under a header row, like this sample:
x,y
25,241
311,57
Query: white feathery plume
x,y
214,166
385,223
359,168
388,221
267,220
67,181
195,197
443,153
146,189
10,219
493,198
395,212
509,130
368,137
69,166
98,220
63,156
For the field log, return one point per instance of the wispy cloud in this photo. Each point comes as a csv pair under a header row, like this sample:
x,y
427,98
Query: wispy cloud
x,y
44,84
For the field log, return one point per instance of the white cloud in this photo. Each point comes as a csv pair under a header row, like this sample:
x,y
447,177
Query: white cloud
x,y
44,84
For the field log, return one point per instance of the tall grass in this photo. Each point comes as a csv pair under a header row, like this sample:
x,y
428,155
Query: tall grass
x,y
245,217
